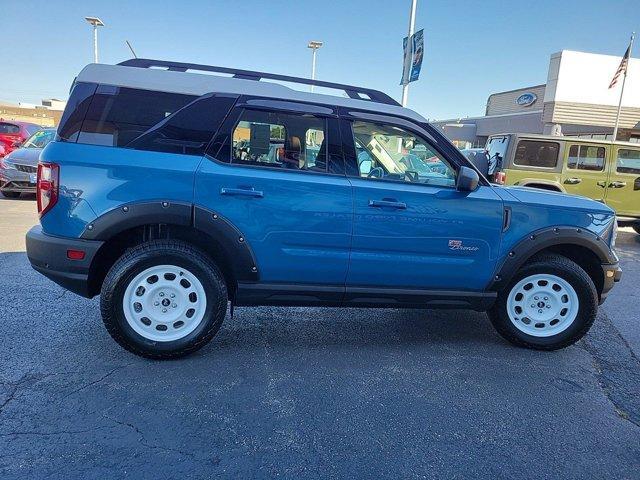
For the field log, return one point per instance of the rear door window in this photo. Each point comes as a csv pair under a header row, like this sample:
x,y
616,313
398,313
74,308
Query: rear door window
x,y
628,161
280,140
586,157
535,153
9,128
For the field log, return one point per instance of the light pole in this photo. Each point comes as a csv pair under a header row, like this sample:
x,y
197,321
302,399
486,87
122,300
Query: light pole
x,y
314,45
412,27
96,22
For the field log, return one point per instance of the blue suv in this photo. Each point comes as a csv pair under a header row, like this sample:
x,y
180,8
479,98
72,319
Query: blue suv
x,y
171,190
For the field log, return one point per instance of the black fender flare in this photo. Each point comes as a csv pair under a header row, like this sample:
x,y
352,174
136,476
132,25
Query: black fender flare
x,y
545,238
229,239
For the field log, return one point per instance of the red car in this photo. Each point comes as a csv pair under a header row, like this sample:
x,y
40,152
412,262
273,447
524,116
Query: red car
x,y
14,133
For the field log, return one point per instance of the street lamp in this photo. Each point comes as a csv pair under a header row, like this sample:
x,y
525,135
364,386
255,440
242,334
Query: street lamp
x,y
96,22
314,45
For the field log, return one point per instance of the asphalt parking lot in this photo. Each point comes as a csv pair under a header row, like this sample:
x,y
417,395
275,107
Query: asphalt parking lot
x,y
311,392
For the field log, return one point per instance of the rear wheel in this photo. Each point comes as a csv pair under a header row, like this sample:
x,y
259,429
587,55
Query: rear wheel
x,y
550,304
8,194
163,299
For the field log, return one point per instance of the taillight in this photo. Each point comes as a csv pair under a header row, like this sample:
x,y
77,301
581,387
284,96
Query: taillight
x,y
47,186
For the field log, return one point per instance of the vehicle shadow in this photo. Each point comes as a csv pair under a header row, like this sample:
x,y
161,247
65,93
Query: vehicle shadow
x,y
23,197
328,328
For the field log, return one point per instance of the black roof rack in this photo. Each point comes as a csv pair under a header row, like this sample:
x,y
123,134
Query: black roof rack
x,y
352,91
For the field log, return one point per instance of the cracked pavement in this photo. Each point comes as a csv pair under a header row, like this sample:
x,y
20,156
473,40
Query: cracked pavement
x,y
311,392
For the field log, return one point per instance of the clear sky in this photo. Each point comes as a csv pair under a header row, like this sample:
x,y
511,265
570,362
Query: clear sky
x,y
472,48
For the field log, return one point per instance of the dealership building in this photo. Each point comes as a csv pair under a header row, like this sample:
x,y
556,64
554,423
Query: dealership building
x,y
575,101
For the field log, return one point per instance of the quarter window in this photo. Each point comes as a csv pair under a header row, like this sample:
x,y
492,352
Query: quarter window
x,y
628,161
387,152
586,157
533,153
280,140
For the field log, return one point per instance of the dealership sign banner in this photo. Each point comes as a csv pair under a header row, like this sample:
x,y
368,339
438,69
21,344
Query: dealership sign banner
x,y
413,52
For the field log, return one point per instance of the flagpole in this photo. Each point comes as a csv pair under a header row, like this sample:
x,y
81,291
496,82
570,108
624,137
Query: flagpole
x,y
412,27
624,79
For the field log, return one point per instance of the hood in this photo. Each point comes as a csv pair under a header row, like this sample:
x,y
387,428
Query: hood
x,y
26,156
536,196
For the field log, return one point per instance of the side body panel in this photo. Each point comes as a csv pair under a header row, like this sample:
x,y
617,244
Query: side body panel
x,y
591,184
623,184
299,228
96,179
533,210
444,239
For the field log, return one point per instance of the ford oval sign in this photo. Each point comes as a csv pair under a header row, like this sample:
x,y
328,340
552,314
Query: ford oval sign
x,y
526,99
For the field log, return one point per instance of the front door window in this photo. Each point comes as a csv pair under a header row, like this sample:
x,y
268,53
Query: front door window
x,y
386,152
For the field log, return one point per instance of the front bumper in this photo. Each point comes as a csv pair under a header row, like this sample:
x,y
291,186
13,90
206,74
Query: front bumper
x,y
612,273
16,181
48,255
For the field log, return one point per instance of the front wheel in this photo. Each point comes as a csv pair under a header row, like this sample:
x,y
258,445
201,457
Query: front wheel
x,y
551,303
163,299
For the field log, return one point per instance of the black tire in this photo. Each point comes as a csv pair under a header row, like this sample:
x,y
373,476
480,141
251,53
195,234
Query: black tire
x,y
163,252
572,273
8,194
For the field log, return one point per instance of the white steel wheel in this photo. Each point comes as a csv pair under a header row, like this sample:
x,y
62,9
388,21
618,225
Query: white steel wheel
x,y
164,303
542,305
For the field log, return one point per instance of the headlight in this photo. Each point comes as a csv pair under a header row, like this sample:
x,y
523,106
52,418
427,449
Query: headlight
x,y
614,234
6,164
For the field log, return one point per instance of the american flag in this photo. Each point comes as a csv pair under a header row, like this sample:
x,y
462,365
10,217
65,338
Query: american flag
x,y
622,68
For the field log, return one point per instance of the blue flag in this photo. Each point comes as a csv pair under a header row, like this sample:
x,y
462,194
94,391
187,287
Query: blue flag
x,y
413,53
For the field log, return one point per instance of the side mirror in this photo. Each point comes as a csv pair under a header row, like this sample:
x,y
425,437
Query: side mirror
x,y
467,179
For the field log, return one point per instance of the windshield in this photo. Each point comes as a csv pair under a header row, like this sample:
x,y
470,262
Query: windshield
x,y
389,152
39,139
496,150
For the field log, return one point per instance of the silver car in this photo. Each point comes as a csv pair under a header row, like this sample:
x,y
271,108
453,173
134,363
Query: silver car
x,y
19,168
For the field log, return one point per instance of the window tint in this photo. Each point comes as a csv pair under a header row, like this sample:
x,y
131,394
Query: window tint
x,y
386,152
533,153
9,128
586,157
118,115
187,131
76,109
281,140
628,161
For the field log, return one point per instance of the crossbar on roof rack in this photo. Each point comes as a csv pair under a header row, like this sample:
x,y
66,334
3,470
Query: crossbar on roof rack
x,y
358,93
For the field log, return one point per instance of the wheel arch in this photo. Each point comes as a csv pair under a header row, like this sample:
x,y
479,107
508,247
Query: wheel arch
x,y
135,223
585,248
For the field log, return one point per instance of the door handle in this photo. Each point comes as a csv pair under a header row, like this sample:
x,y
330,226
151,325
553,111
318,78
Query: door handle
x,y
388,204
618,184
241,192
573,181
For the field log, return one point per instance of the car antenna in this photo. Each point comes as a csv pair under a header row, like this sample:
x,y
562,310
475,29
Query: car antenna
x,y
131,48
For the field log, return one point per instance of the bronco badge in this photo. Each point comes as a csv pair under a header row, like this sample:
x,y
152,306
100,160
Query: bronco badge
x,y
458,245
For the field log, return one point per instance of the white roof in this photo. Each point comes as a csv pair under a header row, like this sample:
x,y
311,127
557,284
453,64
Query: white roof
x,y
200,84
